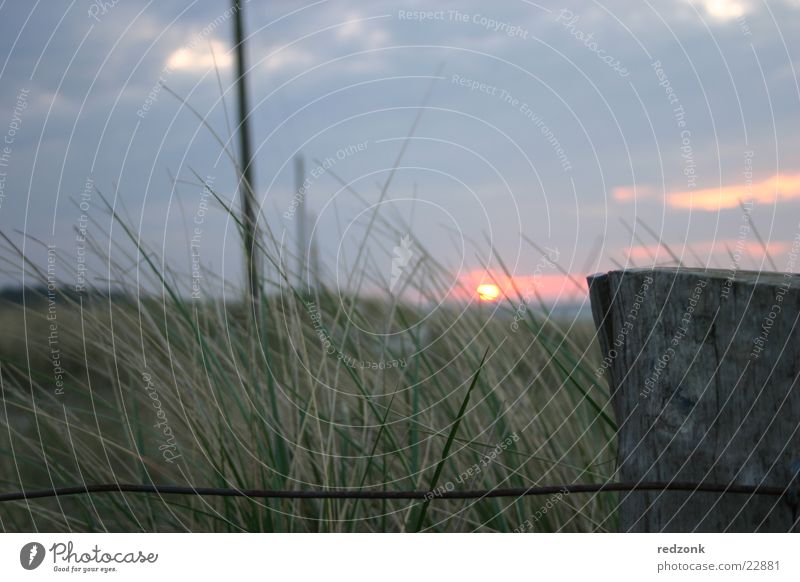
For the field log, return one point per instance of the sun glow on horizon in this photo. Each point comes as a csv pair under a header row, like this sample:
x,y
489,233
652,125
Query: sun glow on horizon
x,y
488,292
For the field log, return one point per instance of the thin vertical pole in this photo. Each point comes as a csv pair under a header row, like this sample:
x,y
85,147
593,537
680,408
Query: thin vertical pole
x,y
247,184
302,236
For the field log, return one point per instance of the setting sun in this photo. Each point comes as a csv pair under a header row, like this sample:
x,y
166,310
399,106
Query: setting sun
x,y
488,292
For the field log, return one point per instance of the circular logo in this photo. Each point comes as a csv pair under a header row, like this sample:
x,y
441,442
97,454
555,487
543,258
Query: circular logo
x,y
31,555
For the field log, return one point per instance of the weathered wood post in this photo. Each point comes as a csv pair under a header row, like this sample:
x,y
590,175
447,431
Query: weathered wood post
x,y
703,367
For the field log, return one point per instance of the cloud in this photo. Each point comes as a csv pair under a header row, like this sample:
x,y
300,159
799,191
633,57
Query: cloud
x,y
356,31
631,193
199,58
779,188
724,10
288,58
369,34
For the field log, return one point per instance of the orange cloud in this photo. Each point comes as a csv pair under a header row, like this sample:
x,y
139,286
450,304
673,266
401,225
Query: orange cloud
x,y
779,188
631,193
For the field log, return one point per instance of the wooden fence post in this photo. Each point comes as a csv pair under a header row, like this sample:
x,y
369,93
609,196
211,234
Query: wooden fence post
x,y
703,368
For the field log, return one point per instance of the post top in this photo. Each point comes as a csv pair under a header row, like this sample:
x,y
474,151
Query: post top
x,y
739,276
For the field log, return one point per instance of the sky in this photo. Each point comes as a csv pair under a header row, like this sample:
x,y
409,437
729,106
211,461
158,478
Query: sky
x,y
590,132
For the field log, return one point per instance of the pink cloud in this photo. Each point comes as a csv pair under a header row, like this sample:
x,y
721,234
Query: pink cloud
x,y
719,248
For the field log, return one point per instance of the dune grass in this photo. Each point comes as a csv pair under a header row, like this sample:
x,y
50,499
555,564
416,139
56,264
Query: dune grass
x,y
291,392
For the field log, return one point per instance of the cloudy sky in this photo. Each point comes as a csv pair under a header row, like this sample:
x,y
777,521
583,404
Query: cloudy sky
x,y
576,126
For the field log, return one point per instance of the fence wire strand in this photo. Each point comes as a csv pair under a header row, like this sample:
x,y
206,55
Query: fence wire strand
x,y
410,494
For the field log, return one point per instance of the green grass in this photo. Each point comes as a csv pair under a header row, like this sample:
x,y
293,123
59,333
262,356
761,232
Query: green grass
x,y
253,400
